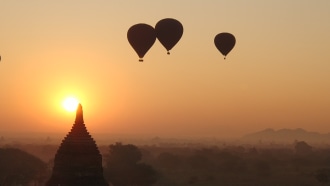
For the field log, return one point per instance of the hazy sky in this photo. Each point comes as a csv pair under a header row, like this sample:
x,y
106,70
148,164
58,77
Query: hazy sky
x,y
277,76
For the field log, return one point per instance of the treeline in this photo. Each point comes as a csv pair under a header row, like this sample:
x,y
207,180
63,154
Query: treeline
x,y
127,164
299,164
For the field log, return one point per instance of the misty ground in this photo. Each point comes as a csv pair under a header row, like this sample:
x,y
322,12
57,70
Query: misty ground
x,y
208,162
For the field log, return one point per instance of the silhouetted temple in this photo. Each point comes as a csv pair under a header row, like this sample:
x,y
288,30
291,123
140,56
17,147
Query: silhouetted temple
x,y
78,161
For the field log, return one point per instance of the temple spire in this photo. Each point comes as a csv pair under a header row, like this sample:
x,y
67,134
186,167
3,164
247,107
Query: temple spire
x,y
78,161
79,115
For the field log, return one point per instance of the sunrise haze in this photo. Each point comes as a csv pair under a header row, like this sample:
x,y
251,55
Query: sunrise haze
x,y
277,75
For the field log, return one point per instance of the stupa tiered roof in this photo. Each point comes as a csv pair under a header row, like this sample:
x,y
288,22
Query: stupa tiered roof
x,y
78,161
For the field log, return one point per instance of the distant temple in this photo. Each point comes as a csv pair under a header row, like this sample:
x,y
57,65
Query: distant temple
x,y
78,161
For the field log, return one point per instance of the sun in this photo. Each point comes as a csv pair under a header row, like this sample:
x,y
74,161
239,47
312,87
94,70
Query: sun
x,y
70,104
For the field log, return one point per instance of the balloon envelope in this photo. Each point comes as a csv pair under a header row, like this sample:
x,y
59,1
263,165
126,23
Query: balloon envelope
x,y
169,31
224,42
141,37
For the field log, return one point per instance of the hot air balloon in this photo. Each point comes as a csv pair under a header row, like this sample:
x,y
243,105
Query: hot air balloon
x,y
224,42
141,37
169,31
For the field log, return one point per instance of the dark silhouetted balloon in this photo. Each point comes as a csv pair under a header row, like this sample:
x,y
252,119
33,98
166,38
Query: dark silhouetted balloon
x,y
169,31
141,37
224,42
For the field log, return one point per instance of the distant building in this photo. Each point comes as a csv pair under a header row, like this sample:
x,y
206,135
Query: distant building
x,y
78,161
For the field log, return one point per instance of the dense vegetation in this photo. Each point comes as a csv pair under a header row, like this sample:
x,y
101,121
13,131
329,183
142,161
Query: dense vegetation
x,y
124,167
20,168
238,165
199,165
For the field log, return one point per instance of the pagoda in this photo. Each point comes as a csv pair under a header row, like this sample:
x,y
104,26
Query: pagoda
x,y
78,161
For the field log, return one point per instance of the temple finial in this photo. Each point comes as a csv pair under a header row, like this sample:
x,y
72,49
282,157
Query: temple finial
x,y
79,115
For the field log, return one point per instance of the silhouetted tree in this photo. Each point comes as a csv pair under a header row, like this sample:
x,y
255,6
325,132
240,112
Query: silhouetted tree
x,y
302,147
18,167
123,167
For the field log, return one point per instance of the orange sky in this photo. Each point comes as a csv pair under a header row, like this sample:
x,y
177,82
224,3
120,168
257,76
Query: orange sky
x,y
277,76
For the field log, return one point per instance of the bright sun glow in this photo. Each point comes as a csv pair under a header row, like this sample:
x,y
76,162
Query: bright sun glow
x,y
70,104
